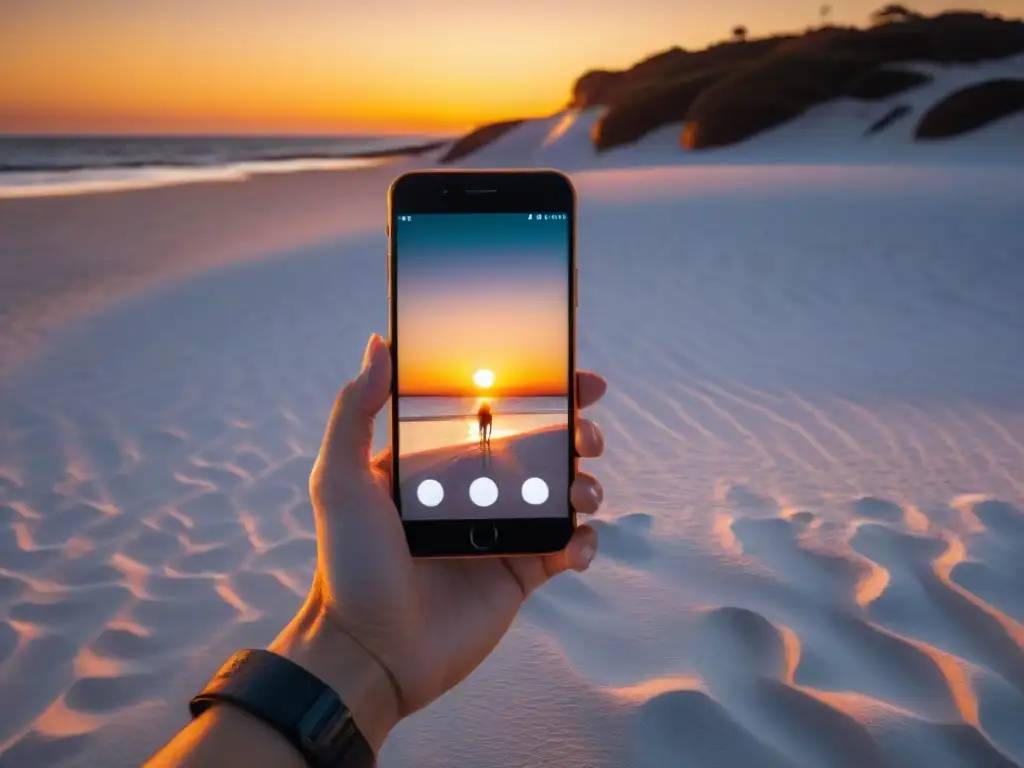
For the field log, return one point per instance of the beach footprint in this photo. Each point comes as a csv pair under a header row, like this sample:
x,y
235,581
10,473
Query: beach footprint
x,y
920,601
747,662
995,567
626,539
776,543
689,729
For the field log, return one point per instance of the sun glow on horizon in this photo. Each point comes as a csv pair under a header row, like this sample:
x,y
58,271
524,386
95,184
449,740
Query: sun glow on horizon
x,y
484,378
495,290
253,66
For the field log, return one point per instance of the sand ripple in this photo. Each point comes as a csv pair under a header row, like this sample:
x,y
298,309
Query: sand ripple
x,y
813,543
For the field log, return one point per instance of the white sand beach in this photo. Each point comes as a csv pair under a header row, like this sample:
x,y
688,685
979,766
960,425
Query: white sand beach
x,y
813,531
508,461
420,434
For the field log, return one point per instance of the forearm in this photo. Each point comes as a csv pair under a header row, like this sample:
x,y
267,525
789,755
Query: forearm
x,y
225,734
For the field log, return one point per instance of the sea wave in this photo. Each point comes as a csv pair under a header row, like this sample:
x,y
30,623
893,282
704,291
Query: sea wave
x,y
75,182
434,408
48,166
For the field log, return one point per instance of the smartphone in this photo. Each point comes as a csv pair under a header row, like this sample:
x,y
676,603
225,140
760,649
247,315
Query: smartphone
x,y
482,293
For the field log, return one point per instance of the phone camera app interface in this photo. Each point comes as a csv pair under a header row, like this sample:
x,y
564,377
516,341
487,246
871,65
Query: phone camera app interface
x,y
482,347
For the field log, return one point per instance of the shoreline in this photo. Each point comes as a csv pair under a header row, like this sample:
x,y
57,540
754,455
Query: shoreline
x,y
471,417
412,150
498,442
130,177
432,434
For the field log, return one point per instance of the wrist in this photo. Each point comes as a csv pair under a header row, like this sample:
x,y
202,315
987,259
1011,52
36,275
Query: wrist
x,y
339,661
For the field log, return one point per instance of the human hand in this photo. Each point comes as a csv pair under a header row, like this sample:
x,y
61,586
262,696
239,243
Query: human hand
x,y
422,624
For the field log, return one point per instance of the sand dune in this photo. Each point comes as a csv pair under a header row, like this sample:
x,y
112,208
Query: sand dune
x,y
828,133
814,526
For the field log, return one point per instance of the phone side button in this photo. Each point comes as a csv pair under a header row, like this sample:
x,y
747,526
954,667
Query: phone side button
x,y
483,536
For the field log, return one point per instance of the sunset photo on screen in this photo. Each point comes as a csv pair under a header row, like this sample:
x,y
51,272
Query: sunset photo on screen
x,y
482,319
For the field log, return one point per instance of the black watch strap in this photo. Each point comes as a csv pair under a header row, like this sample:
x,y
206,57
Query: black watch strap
x,y
294,702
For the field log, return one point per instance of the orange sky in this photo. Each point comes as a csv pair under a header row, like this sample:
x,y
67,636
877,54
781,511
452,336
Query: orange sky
x,y
517,332
386,66
482,292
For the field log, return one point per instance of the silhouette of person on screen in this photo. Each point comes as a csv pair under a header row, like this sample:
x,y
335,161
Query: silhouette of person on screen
x,y
485,419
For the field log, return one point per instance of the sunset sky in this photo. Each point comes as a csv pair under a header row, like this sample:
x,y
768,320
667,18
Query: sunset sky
x,y
482,291
344,66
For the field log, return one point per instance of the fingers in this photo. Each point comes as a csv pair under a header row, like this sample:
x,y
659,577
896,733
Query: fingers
x,y
582,549
349,435
586,494
577,556
384,461
590,387
589,439
532,572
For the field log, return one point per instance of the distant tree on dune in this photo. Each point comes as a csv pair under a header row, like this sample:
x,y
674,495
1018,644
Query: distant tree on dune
x,y
739,33
893,13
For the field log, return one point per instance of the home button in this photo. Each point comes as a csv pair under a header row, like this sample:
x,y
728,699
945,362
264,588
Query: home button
x,y
483,536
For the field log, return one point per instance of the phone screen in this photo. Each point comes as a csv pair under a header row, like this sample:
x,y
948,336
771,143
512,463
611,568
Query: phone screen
x,y
482,339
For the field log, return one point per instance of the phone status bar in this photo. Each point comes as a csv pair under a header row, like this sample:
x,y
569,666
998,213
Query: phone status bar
x,y
527,216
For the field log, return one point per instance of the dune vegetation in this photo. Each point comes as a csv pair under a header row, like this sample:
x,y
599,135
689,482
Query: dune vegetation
x,y
736,89
971,108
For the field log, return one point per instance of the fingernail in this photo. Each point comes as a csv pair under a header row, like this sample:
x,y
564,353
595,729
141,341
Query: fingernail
x,y
595,494
371,347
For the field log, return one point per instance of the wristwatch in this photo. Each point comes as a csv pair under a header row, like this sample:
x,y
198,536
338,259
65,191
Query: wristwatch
x,y
292,701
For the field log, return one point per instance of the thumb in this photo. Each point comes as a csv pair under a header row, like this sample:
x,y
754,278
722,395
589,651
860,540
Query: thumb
x,y
349,436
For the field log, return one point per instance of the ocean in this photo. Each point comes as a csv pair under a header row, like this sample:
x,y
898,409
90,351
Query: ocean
x,y
49,165
428,423
445,408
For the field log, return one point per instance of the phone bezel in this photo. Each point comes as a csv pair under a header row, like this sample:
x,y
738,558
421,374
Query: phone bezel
x,y
528,191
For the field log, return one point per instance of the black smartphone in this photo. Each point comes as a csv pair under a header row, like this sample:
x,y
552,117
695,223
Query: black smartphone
x,y
482,290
